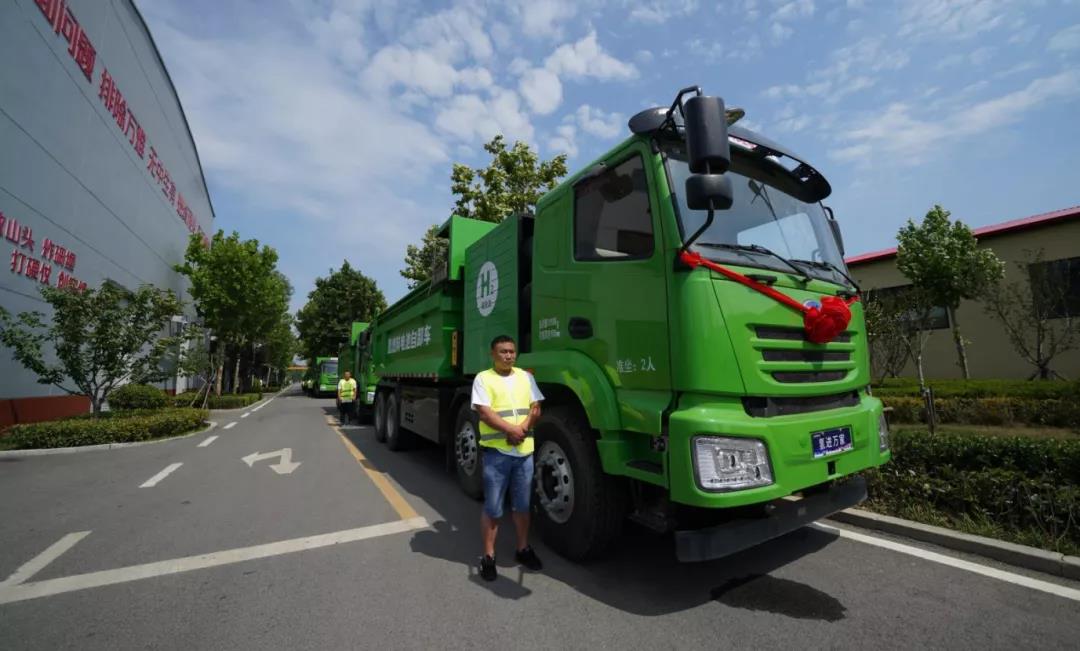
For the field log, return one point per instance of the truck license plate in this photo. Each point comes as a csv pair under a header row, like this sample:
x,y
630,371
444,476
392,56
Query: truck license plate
x,y
831,441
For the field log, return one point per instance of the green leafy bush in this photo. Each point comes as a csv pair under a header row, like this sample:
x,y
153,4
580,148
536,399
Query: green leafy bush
x,y
1047,412
224,401
1035,389
112,427
137,396
1021,489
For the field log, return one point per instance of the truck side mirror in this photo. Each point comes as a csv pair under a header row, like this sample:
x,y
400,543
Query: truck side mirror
x,y
708,192
707,146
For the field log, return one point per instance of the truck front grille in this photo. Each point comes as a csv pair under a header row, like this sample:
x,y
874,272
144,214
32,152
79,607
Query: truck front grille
x,y
766,407
788,358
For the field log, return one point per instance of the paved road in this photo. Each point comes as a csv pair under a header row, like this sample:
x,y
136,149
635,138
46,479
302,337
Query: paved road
x,y
359,547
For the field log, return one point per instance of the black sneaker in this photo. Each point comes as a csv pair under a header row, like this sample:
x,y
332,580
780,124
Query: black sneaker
x,y
529,559
487,568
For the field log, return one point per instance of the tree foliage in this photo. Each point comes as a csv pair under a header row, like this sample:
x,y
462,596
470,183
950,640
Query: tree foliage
x,y
513,181
942,258
897,329
101,338
325,321
420,260
1033,311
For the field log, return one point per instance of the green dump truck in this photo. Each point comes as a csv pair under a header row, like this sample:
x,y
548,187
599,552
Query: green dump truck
x,y
325,380
662,298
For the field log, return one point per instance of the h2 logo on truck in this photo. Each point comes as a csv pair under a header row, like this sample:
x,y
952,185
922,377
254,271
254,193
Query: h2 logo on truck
x,y
487,288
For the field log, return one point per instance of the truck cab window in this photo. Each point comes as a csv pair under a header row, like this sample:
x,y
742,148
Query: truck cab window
x,y
612,220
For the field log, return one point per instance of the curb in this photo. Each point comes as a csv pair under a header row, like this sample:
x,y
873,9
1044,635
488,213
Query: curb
x,y
40,452
1019,555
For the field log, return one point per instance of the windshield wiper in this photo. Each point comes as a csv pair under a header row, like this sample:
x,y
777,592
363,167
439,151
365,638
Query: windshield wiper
x,y
823,264
755,248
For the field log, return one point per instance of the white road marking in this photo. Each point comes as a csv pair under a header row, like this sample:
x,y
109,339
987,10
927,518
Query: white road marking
x,y
264,404
14,593
153,481
38,563
283,467
1001,575
245,414
230,425
208,441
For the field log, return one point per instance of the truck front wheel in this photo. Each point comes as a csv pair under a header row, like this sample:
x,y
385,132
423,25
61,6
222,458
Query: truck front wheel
x,y
468,459
580,509
380,417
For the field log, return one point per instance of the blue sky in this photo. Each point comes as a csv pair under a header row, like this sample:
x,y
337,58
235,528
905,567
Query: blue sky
x,y
327,128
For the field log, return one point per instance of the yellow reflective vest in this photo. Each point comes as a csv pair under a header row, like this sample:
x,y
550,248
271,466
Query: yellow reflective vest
x,y
347,389
511,401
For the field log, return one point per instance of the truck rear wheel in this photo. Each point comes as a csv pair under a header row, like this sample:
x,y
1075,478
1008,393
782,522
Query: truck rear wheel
x,y
397,439
580,509
468,459
380,417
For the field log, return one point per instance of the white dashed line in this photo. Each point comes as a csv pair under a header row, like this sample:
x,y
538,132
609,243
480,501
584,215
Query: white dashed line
x,y
208,441
230,425
245,415
153,481
38,563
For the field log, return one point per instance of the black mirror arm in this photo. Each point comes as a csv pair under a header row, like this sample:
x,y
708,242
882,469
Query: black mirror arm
x,y
704,227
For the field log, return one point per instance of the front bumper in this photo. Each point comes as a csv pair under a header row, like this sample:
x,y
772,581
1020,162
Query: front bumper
x,y
785,516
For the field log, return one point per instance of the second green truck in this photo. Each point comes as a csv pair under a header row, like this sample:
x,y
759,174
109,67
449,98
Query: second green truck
x,y
675,396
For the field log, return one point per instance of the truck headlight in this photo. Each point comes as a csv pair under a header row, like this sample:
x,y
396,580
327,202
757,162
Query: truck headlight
x,y
883,433
370,397
728,464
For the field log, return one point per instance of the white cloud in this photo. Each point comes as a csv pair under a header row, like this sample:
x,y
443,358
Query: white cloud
x,y
542,89
472,118
658,12
644,56
396,65
959,19
586,59
780,32
794,10
1066,40
599,123
544,18
904,133
565,140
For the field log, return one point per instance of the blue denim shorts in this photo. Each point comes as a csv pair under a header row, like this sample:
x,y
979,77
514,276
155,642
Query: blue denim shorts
x,y
502,472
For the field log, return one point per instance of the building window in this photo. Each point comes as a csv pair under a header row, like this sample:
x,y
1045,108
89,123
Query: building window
x,y
1055,286
936,319
612,220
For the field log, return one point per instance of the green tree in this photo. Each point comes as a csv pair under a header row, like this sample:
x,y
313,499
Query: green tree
x,y
325,321
237,290
100,338
942,258
420,260
513,181
1034,311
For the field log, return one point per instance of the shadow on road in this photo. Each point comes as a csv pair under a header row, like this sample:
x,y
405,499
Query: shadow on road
x,y
640,575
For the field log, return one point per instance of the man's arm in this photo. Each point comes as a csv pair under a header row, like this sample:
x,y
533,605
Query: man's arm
x,y
489,417
534,415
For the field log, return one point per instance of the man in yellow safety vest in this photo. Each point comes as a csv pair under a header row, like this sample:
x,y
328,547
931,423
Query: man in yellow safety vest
x,y
507,401
346,398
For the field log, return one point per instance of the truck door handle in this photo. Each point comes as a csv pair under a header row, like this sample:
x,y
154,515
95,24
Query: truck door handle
x,y
579,328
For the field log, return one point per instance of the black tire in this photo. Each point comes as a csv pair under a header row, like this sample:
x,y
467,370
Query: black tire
x,y
581,524
380,417
465,447
397,439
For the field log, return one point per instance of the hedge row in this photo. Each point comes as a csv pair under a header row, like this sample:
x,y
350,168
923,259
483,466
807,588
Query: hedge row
x,y
224,401
111,427
137,396
1036,389
1048,412
1023,489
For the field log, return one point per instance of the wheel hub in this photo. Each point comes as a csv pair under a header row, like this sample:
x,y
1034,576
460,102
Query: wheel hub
x,y
465,448
554,482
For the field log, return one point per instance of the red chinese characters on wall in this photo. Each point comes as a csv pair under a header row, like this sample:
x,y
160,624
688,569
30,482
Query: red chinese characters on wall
x,y
115,104
24,264
64,24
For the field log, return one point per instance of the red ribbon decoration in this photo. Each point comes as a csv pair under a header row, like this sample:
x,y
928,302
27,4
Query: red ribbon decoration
x,y
822,324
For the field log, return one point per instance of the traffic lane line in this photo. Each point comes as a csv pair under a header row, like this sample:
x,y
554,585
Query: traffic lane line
x,y
230,425
49,587
404,510
208,441
934,557
263,404
245,414
38,563
153,481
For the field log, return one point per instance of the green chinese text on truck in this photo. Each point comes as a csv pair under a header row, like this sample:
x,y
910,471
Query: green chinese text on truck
x,y
679,393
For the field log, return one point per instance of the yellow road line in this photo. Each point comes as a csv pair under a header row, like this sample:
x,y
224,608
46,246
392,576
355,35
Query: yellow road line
x,y
404,510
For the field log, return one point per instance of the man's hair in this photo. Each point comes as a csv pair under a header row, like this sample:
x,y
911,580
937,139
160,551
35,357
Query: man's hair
x,y
502,339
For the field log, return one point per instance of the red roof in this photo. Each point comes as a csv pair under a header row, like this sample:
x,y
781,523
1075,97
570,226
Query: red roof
x,y
986,231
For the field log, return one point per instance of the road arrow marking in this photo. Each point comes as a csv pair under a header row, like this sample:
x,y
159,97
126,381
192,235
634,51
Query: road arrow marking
x,y
283,467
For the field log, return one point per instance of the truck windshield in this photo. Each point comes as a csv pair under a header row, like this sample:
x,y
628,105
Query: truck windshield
x,y
765,227
329,368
